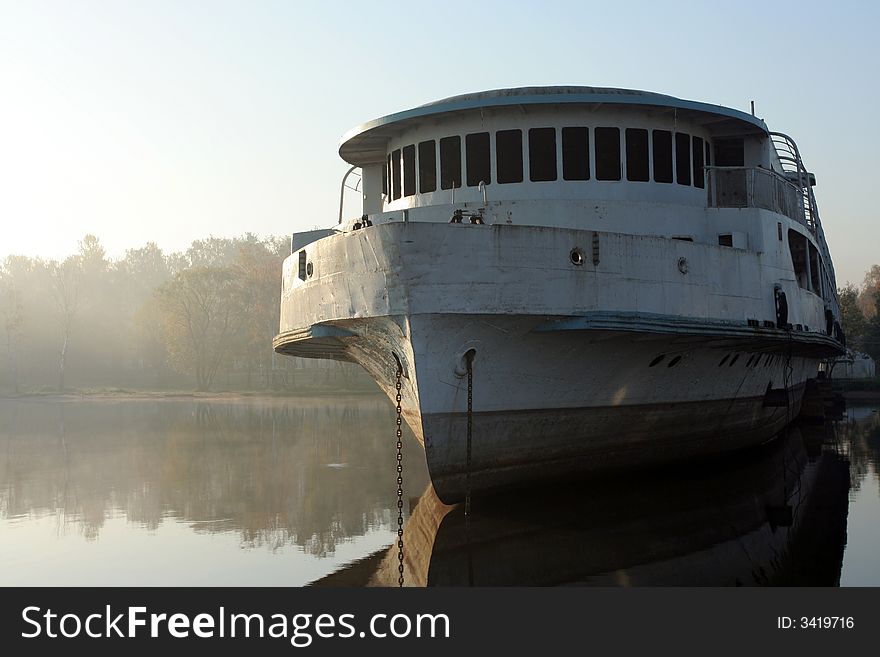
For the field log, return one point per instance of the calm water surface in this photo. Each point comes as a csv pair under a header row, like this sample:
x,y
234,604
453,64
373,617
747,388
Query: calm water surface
x,y
291,492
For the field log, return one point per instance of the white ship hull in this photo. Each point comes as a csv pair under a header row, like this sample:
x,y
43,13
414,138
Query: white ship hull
x,y
574,369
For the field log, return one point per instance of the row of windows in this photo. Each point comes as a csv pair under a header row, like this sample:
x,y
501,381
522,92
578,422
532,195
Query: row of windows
x,y
686,168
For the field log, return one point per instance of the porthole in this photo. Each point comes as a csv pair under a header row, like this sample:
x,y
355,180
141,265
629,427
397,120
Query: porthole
x,y
577,257
657,360
309,270
724,360
674,361
733,360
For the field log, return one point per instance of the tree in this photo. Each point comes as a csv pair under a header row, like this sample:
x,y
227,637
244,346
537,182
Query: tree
x,y
66,282
211,252
91,255
870,288
148,331
12,317
871,342
145,269
203,309
852,319
260,271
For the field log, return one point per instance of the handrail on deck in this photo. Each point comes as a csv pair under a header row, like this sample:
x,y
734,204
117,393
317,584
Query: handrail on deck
x,y
343,187
754,187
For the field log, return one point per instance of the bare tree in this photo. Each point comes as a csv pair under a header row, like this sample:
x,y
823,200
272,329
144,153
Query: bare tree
x,y
204,310
12,315
66,281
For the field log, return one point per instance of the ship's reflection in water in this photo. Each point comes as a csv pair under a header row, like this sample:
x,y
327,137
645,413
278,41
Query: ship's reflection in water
x,y
291,492
774,515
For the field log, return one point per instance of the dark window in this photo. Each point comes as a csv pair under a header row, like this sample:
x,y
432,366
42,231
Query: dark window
x,y
662,156
509,156
302,266
542,154
798,247
708,154
575,154
814,270
427,166
477,157
409,170
729,153
637,154
395,174
607,153
682,158
385,176
699,174
450,162
725,239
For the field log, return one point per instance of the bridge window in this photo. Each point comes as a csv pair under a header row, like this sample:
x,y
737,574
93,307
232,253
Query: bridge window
x,y
542,154
409,170
477,156
427,166
729,153
575,153
708,154
385,176
662,142
699,174
509,156
607,153
395,174
450,162
637,154
682,158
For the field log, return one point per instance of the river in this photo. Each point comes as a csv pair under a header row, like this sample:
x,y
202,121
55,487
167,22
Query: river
x,y
288,492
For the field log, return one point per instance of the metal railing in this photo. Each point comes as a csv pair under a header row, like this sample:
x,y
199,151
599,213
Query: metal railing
x,y
747,187
793,165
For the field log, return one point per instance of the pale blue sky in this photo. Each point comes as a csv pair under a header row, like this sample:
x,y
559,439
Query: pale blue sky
x,y
169,121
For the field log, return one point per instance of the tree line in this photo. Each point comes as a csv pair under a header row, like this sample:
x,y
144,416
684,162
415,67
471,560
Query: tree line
x,y
202,318
860,310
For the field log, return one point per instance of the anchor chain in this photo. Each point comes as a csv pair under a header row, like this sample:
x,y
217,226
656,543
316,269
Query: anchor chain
x,y
399,434
467,474
470,433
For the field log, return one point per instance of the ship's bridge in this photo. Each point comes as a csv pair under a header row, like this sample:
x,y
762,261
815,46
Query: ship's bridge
x,y
543,143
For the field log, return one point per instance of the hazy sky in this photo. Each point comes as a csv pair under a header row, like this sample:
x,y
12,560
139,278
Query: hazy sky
x,y
172,120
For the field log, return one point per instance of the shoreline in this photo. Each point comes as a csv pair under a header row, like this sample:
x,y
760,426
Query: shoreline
x,y
184,395
861,395
119,394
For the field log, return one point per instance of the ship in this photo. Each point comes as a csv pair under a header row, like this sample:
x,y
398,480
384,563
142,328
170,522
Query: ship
x,y
552,282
